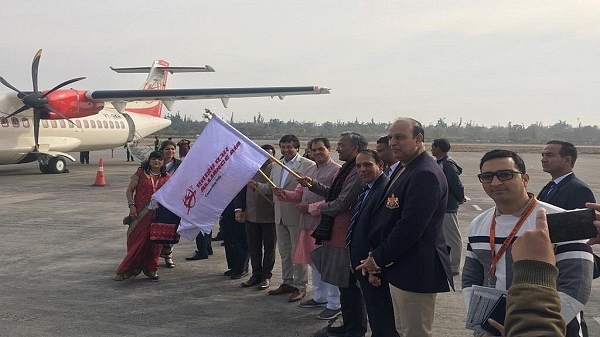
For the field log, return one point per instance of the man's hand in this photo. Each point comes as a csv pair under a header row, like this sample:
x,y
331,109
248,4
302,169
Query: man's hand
x,y
253,184
240,216
496,325
595,207
302,208
368,266
534,244
305,181
374,280
278,192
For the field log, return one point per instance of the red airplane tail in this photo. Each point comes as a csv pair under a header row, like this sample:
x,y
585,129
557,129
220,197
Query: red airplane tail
x,y
156,80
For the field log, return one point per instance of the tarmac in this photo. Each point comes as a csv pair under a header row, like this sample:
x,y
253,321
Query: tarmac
x,y
63,240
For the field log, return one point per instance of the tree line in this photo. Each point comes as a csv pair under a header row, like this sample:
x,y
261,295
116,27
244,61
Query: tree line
x,y
457,132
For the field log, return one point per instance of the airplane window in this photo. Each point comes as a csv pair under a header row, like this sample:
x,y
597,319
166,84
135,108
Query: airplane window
x,y
117,125
4,121
62,123
53,123
99,124
105,124
78,123
112,125
122,125
45,123
86,124
25,122
15,122
93,124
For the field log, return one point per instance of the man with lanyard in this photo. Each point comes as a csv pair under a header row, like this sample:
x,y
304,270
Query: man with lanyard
x,y
488,259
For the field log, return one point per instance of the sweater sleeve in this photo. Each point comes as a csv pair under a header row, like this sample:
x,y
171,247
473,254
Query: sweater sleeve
x,y
533,304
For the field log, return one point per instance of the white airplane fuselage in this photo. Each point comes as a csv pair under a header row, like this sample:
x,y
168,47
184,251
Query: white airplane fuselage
x,y
105,130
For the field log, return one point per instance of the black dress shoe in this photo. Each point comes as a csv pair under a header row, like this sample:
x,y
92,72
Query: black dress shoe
x,y
235,276
251,282
228,273
197,256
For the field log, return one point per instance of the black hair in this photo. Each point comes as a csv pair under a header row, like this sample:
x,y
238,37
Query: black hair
x,y
383,140
442,143
290,139
166,143
566,149
268,147
321,139
494,154
374,154
154,154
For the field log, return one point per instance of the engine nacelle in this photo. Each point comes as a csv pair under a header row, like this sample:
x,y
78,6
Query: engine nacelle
x,y
72,104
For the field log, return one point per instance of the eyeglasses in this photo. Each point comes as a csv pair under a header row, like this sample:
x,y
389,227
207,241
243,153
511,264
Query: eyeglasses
x,y
502,175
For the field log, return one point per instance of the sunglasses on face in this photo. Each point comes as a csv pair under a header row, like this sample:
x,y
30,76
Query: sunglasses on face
x,y
502,175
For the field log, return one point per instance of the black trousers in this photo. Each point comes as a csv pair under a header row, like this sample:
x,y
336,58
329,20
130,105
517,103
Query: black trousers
x,y
204,244
380,309
262,240
236,244
353,309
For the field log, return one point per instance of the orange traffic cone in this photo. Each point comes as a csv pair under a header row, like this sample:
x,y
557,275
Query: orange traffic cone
x,y
100,175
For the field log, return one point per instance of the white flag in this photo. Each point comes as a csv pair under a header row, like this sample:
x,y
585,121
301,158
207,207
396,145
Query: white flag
x,y
217,167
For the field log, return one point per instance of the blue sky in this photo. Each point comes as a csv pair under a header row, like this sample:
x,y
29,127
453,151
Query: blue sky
x,y
488,62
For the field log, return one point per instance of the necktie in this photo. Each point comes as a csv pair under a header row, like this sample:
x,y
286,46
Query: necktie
x,y
357,209
546,190
388,171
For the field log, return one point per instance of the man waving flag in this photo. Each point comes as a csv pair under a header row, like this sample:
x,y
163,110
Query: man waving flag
x,y
219,165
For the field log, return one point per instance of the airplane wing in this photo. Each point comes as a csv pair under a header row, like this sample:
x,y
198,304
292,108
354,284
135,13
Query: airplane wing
x,y
119,97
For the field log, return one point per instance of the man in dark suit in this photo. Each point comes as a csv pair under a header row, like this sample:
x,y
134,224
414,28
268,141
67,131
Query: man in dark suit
x,y
566,191
377,297
406,235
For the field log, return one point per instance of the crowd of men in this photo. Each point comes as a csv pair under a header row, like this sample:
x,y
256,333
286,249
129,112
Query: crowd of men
x,y
380,233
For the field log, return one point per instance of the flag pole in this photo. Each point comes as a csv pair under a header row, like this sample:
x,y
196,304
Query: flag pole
x,y
267,178
278,162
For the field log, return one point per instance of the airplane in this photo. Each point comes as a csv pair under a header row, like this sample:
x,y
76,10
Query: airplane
x,y
43,125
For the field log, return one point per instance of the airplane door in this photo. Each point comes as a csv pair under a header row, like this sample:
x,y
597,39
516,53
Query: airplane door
x,y
130,127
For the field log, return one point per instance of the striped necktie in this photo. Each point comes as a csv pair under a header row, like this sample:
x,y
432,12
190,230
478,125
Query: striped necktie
x,y
357,209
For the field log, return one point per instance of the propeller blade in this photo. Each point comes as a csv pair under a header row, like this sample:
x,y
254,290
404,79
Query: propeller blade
x,y
63,84
49,107
37,114
8,85
21,109
34,69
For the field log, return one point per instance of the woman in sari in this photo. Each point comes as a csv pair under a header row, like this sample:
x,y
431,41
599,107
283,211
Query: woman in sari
x,y
171,164
142,255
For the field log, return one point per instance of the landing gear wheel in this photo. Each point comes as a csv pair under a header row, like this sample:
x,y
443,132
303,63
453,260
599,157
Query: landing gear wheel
x,y
57,165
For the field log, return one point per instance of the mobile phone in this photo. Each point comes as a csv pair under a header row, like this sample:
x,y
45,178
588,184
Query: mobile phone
x,y
498,314
577,224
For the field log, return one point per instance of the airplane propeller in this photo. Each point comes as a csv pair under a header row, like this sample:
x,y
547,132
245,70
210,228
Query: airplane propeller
x,y
37,100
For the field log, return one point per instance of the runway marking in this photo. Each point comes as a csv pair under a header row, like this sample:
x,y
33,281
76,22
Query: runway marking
x,y
477,207
597,319
467,198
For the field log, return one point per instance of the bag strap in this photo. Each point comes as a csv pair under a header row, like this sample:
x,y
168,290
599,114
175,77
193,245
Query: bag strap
x,y
135,222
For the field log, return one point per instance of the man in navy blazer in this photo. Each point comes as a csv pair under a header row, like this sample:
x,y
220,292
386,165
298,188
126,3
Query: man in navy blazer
x,y
565,190
406,234
378,301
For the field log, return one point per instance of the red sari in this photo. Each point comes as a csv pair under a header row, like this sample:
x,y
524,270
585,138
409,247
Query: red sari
x,y
142,254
